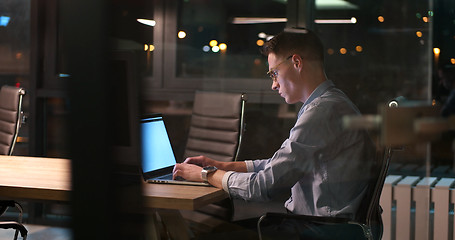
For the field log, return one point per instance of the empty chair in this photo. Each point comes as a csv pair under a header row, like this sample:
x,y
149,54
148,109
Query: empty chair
x,y
10,117
216,131
217,125
10,122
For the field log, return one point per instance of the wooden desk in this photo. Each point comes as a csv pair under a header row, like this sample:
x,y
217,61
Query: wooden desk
x,y
49,179
35,178
180,196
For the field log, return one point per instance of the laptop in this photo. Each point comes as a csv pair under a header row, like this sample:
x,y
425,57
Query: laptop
x,y
157,156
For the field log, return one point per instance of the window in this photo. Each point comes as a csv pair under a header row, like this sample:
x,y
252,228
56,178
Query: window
x,y
15,56
133,31
377,51
221,39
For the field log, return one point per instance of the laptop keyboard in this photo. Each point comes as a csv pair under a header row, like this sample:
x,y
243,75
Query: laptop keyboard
x,y
165,177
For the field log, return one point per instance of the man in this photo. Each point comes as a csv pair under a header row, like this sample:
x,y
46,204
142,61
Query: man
x,y
328,169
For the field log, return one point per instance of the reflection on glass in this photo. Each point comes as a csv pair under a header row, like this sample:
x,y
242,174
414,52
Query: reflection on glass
x,y
134,24
379,57
14,42
57,120
15,57
222,37
147,22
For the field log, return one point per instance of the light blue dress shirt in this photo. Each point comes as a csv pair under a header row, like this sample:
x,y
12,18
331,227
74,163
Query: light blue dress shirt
x,y
327,168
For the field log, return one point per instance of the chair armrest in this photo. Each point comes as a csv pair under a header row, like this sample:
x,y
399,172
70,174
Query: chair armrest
x,y
15,225
356,230
5,204
273,215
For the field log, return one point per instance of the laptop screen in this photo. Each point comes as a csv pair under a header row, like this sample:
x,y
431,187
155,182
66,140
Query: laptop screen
x,y
156,149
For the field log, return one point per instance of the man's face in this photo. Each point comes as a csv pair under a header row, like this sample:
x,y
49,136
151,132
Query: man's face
x,y
284,78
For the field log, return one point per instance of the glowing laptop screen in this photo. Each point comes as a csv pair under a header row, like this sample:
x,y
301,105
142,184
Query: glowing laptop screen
x,y
155,145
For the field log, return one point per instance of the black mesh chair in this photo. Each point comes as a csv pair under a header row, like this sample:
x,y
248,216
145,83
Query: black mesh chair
x,y
17,225
10,123
368,226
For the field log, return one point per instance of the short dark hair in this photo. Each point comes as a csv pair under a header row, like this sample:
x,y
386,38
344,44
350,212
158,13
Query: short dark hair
x,y
299,41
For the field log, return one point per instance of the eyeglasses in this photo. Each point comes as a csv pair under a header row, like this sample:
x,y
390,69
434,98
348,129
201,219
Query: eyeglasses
x,y
273,73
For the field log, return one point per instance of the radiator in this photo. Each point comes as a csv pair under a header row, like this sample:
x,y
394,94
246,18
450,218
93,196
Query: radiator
x,y
418,208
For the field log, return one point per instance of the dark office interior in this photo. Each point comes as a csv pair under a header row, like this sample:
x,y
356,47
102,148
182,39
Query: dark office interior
x,y
90,69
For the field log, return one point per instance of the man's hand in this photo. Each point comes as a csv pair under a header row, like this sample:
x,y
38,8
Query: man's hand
x,y
202,161
188,171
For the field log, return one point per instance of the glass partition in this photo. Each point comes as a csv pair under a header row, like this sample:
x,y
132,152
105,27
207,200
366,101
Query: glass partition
x,y
15,56
15,42
133,32
377,50
221,39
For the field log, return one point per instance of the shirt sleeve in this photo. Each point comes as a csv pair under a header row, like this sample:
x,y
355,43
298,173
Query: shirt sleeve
x,y
287,166
279,175
249,166
224,181
259,165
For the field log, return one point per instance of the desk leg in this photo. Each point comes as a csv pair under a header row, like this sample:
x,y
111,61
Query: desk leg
x,y
154,229
174,224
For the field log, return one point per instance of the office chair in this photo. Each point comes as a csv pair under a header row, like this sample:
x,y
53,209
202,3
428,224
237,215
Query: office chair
x,y
216,131
365,227
17,225
10,117
10,123
217,125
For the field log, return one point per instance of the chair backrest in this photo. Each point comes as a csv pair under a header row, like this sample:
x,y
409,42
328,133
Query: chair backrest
x,y
386,158
10,117
373,207
217,125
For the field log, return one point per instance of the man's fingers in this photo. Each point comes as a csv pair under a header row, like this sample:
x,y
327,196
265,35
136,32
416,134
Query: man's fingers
x,y
198,160
176,174
175,170
176,166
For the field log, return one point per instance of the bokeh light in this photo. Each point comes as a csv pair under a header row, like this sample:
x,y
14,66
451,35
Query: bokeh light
x,y
213,43
262,35
181,34
260,42
222,46
359,48
436,51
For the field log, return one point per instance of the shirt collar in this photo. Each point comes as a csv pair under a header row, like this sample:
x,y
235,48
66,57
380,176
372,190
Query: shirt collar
x,y
322,88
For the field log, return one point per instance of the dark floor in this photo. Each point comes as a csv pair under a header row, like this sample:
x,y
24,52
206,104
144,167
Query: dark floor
x,y
39,232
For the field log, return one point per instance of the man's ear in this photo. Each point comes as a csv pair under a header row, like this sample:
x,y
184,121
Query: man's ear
x,y
297,61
